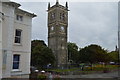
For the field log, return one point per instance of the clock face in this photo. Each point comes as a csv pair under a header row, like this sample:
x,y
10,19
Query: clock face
x,y
62,28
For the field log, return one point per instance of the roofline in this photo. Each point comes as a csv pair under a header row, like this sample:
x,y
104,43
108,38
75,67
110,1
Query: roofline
x,y
16,5
23,11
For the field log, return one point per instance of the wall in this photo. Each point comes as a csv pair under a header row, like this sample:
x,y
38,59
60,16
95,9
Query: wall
x,y
8,47
7,39
24,49
0,41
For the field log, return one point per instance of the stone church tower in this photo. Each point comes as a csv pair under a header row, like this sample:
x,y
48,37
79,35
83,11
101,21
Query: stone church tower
x,y
57,32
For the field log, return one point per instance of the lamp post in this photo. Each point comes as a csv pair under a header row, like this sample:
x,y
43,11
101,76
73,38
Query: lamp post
x,y
118,51
119,37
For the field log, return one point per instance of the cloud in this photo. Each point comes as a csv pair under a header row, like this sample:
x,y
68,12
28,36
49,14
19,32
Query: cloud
x,y
64,0
89,22
93,23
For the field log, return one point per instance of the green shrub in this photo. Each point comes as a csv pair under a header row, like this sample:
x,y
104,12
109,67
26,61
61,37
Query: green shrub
x,y
56,79
42,76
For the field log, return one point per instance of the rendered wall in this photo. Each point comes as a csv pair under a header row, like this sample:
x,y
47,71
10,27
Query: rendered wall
x,y
0,41
7,39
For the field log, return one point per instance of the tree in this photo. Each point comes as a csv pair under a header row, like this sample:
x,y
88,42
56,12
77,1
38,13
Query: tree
x,y
72,52
35,43
41,54
87,55
114,56
92,54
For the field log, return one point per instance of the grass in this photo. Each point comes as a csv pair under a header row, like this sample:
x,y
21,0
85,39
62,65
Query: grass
x,y
99,67
63,70
87,70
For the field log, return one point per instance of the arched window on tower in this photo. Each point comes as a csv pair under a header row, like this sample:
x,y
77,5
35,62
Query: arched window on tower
x,y
52,15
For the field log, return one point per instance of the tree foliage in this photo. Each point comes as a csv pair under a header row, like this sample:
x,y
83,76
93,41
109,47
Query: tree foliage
x,y
41,54
92,54
72,52
114,56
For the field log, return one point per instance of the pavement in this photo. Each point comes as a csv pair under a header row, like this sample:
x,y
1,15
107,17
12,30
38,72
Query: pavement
x,y
95,75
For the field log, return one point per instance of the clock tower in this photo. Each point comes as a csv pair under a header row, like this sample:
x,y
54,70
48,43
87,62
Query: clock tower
x,y
57,32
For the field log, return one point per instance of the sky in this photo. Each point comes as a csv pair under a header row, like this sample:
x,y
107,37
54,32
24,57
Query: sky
x,y
89,22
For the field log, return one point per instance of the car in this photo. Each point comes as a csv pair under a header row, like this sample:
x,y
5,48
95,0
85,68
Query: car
x,y
33,69
112,63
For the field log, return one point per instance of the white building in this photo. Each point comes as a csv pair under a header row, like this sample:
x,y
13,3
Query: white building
x,y
15,41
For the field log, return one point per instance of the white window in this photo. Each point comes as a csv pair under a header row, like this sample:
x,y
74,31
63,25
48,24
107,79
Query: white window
x,y
62,16
16,61
19,17
4,58
62,28
52,15
18,36
52,28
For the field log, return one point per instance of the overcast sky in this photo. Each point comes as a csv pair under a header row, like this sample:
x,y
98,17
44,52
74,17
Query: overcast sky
x,y
89,22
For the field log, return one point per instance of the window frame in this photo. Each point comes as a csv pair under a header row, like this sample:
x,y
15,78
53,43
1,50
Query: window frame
x,y
19,17
52,15
62,28
16,62
18,36
52,28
